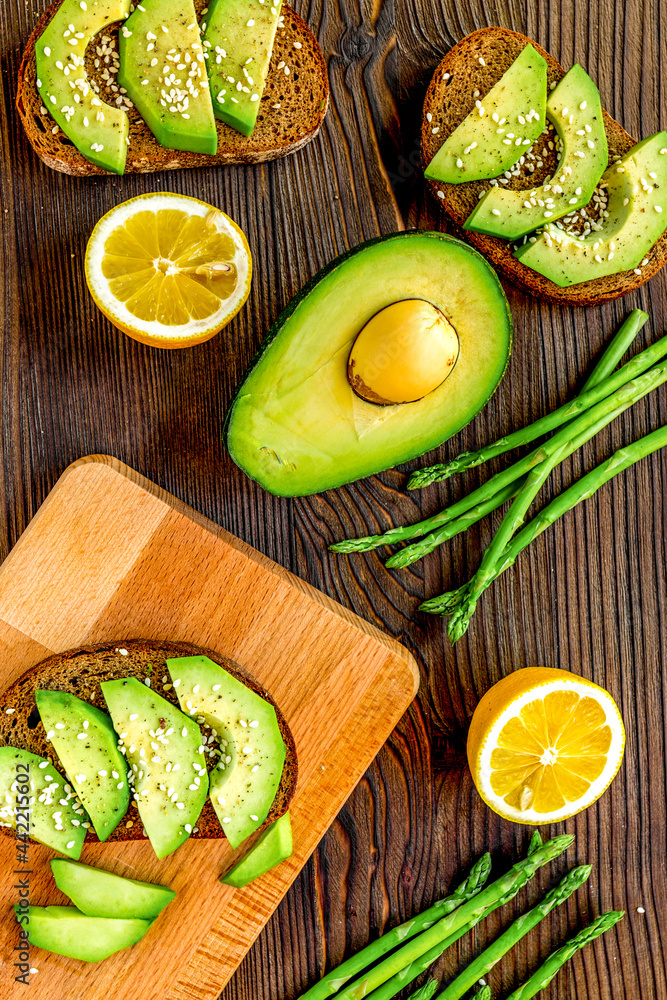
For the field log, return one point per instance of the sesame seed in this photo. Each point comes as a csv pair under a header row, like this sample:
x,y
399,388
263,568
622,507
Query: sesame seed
x,y
254,818
441,194
70,844
658,208
9,711
459,162
495,211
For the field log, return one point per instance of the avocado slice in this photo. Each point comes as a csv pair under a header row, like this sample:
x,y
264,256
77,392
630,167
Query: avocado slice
x,y
575,111
637,217
99,131
500,128
163,69
86,745
296,425
64,930
99,893
240,36
273,847
165,753
246,779
56,817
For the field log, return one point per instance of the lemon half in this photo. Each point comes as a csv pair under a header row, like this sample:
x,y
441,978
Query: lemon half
x,y
168,270
544,744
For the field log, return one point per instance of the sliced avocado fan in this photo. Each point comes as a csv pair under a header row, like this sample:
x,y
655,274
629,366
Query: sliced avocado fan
x,y
499,128
575,111
636,187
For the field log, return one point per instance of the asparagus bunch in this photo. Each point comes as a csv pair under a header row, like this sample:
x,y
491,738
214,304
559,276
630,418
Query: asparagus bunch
x,y
599,396
521,926
409,961
586,487
602,371
337,978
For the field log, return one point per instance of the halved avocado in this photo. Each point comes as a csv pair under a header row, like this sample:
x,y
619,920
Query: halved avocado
x,y
296,425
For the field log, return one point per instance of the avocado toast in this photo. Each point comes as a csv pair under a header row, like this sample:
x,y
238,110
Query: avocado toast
x,y
82,671
291,111
474,64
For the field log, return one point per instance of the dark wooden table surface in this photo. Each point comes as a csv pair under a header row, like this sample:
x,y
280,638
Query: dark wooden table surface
x,y
590,595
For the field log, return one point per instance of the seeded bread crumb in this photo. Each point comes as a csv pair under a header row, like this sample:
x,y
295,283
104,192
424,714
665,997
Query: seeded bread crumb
x,y
449,99
80,671
291,110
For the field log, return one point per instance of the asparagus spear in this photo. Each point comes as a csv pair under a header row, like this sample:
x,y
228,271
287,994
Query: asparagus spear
x,y
569,439
412,971
336,978
616,348
600,381
546,972
521,926
629,391
586,487
426,991
453,926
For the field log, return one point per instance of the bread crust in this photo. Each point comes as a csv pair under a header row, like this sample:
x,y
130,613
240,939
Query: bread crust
x,y
303,97
449,99
80,671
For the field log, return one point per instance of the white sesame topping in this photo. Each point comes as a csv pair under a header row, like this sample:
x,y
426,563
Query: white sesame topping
x,y
70,844
495,211
658,208
254,818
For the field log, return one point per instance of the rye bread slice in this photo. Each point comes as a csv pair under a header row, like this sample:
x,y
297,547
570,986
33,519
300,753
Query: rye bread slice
x,y
80,671
449,99
303,96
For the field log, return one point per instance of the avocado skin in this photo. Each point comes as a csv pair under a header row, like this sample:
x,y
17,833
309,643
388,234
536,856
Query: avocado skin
x,y
311,285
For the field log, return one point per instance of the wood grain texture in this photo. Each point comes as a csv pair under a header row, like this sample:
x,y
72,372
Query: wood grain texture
x,y
590,594
110,555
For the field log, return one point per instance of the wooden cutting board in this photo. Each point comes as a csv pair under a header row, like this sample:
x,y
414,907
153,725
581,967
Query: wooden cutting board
x,y
109,555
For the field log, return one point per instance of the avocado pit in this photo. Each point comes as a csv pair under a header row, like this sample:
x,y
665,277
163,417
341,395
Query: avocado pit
x,y
403,353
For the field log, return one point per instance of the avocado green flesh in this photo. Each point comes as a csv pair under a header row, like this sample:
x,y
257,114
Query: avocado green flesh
x,y
511,214
164,73
64,930
485,145
162,749
239,56
297,427
84,118
99,893
273,847
89,762
245,782
52,823
637,218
